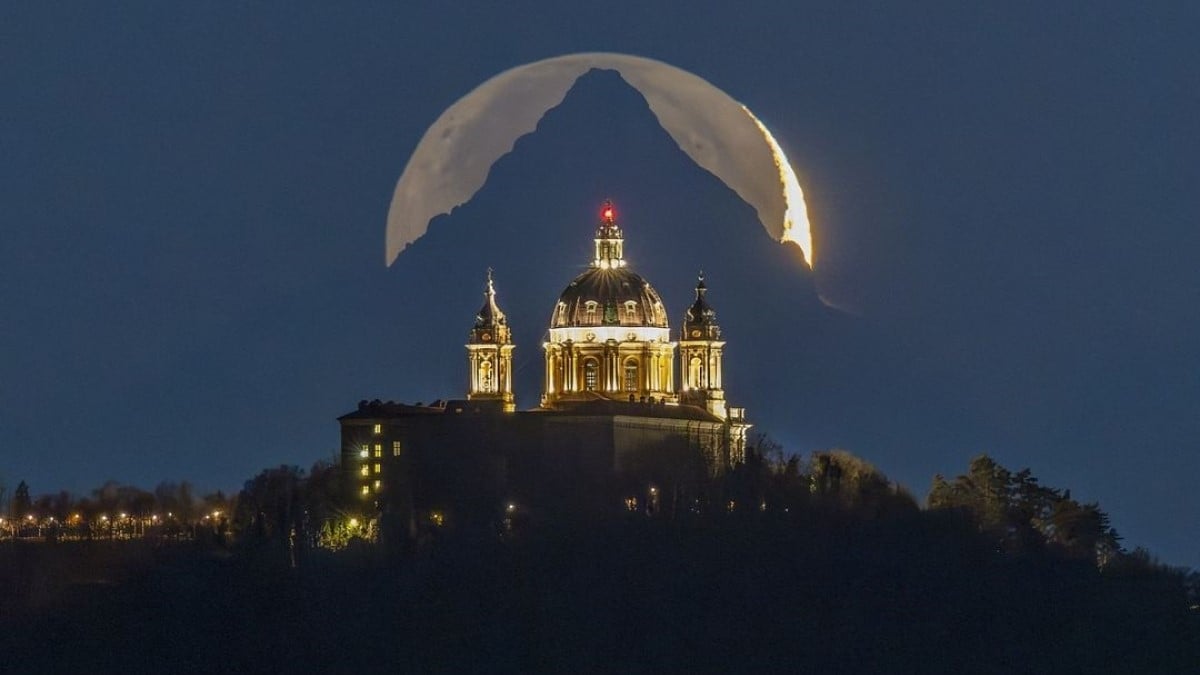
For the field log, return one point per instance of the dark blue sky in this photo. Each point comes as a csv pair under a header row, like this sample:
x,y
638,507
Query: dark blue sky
x,y
193,203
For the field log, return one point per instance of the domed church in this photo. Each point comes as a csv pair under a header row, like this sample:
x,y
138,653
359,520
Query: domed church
x,y
610,402
609,339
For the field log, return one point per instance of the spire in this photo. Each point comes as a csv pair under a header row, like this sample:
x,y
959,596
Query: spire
x,y
490,317
701,319
609,239
489,353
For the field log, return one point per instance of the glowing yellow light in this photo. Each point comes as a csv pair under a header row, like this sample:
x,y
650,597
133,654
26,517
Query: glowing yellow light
x,y
124,516
437,518
653,490
354,522
216,514
378,429
366,490
30,517
104,519
511,507
796,227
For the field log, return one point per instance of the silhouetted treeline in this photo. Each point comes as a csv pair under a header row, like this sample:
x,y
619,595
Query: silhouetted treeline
x,y
782,564
112,510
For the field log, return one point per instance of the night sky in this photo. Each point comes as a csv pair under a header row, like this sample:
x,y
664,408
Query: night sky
x,y
193,202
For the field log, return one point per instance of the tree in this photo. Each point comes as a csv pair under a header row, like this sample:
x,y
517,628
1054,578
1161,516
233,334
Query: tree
x,y
1025,515
837,476
22,503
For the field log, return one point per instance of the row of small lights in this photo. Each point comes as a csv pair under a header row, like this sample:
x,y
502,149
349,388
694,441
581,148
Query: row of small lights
x,y
104,517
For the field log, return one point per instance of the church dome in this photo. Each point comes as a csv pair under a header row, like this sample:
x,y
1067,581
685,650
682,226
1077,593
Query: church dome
x,y
609,293
609,297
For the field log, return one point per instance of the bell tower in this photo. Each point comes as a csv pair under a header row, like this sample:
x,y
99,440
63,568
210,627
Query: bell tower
x,y
700,356
489,353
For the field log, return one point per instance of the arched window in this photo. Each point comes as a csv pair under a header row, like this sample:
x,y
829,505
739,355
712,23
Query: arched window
x,y
590,308
630,311
591,375
631,375
696,373
486,384
562,313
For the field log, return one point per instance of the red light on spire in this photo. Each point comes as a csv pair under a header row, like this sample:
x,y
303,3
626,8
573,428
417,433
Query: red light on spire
x,y
608,213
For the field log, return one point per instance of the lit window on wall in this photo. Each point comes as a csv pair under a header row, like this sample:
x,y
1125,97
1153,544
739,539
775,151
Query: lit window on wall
x,y
590,307
365,470
631,376
395,448
378,467
379,449
631,311
365,451
591,375
378,485
366,490
378,429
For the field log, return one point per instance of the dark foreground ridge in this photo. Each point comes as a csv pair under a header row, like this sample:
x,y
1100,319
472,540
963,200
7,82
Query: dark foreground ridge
x,y
834,581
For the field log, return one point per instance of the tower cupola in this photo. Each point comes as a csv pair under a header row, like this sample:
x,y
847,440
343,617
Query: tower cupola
x,y
700,354
489,353
610,242
700,320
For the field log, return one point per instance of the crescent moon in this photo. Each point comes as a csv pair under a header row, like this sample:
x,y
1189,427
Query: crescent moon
x,y
452,159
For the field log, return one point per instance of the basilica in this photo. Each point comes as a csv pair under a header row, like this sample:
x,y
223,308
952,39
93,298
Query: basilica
x,y
615,425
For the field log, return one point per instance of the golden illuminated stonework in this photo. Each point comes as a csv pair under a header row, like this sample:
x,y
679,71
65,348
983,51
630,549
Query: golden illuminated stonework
x,y
489,353
608,336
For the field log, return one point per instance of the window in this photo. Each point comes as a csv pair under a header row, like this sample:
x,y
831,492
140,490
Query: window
x,y
379,449
631,375
696,372
590,308
395,448
562,313
591,376
365,451
378,429
631,311
365,470
378,467
378,485
485,377
366,490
